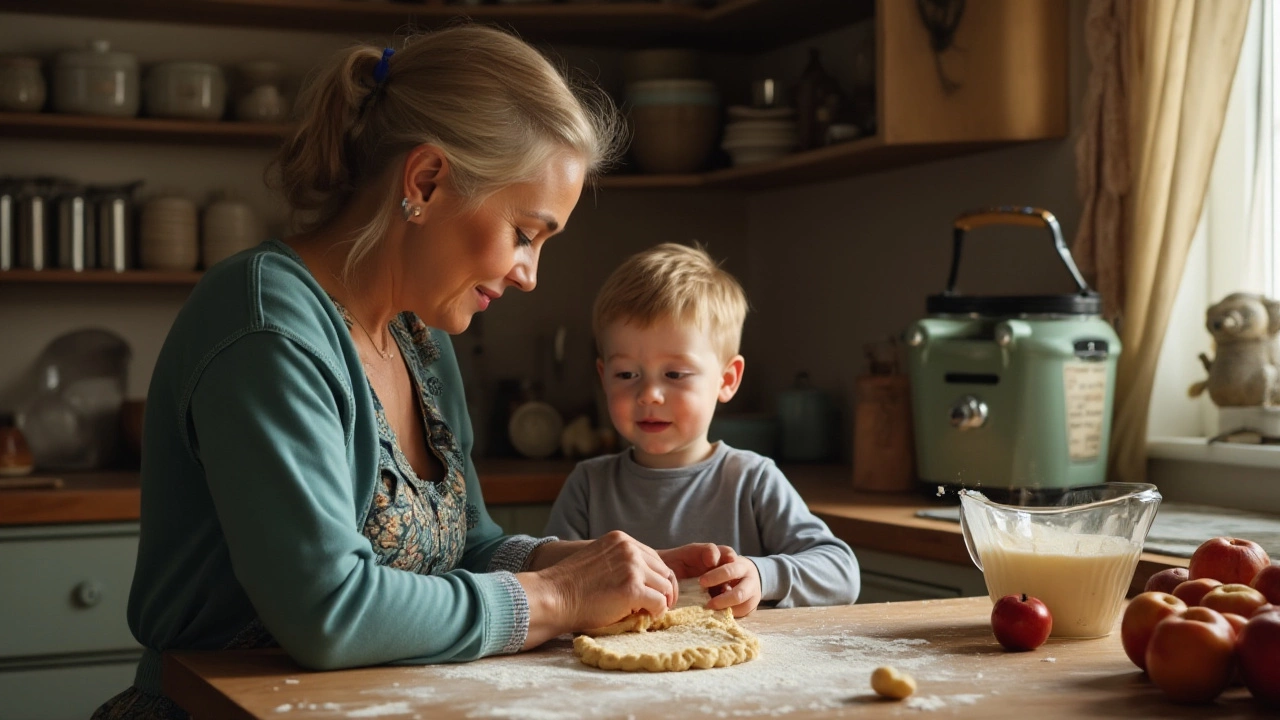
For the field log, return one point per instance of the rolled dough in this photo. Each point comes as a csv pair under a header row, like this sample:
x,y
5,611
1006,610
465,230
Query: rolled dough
x,y
687,636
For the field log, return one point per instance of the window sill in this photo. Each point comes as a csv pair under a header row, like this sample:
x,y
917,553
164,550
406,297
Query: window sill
x,y
1233,475
1197,449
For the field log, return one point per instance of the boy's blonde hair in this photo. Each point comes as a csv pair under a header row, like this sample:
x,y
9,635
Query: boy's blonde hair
x,y
677,282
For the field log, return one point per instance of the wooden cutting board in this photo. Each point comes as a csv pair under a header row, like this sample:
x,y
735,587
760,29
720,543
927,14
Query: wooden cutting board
x,y
815,662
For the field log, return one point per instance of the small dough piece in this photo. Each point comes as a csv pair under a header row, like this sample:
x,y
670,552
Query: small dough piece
x,y
692,594
681,639
891,682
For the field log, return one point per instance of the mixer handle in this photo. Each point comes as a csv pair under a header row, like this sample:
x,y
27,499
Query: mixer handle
x,y
1012,215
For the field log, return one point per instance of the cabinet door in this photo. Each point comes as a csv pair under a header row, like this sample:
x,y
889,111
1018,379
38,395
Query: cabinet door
x,y
521,519
887,577
65,595
62,692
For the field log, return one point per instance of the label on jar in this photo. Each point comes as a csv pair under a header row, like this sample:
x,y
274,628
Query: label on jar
x,y
1085,391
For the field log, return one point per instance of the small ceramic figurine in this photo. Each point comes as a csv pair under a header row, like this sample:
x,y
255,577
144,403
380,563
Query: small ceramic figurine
x,y
1246,370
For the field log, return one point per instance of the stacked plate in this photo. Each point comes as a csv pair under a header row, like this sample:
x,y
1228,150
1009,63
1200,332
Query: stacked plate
x,y
756,135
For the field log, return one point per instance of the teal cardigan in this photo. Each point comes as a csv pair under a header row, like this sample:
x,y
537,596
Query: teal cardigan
x,y
260,456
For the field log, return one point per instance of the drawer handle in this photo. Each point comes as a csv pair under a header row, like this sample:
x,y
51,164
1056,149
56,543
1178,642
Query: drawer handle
x,y
87,594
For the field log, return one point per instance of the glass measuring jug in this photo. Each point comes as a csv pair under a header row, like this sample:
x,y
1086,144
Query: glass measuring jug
x,y
1075,549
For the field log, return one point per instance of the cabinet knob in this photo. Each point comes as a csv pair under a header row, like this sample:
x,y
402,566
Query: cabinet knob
x,y
969,413
87,594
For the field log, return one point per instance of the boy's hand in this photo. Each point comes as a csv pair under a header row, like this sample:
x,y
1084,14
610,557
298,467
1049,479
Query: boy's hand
x,y
734,584
695,559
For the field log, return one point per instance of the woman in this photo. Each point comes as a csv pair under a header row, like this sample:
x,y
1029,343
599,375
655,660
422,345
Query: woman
x,y
306,478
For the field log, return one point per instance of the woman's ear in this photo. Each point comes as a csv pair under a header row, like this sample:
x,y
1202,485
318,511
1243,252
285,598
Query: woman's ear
x,y
425,169
731,378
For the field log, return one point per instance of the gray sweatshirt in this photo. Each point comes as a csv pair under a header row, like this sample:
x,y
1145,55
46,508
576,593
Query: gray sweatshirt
x,y
735,498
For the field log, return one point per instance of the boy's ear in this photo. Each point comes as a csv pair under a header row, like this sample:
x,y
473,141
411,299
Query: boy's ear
x,y
731,378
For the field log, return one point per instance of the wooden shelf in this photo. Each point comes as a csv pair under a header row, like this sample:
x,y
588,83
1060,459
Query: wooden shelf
x,y
101,277
834,161
743,25
52,126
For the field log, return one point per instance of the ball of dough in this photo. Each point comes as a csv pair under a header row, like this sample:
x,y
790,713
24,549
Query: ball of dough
x,y
891,682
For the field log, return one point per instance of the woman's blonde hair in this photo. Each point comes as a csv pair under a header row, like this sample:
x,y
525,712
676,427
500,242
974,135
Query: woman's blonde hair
x,y
679,282
495,106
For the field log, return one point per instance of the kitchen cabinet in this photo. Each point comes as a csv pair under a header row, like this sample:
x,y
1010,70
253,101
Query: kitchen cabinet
x,y
66,645
521,519
889,577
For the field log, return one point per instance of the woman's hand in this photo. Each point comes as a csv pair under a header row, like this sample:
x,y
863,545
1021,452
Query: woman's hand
x,y
695,559
738,582
601,583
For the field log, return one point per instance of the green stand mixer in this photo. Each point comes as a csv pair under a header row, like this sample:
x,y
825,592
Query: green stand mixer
x,y
1012,392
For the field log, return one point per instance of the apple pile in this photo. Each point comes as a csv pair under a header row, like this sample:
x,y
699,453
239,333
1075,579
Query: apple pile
x,y
1193,630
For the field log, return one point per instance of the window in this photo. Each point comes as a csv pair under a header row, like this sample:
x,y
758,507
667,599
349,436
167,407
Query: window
x,y
1236,248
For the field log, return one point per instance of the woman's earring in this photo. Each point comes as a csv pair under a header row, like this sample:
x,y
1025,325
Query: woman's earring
x,y
410,211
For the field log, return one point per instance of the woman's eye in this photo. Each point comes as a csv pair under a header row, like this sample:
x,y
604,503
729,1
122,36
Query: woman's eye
x,y
522,239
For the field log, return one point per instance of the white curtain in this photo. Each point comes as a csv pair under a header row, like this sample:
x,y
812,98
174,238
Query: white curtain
x,y
1233,249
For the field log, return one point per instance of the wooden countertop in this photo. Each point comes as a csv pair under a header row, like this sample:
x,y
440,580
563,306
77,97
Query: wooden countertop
x,y
875,521
814,662
114,496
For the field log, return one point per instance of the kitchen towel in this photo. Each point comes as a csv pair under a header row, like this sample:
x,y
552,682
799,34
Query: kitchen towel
x,y
1179,528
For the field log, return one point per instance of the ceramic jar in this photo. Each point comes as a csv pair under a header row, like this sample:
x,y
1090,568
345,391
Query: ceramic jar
x,y
167,234
22,87
96,81
189,90
229,226
260,98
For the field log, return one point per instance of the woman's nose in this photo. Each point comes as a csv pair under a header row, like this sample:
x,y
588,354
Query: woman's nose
x,y
524,275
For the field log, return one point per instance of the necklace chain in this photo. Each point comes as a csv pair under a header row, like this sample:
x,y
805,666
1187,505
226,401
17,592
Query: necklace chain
x,y
385,354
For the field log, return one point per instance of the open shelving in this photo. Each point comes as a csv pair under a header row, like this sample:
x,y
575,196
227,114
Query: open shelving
x,y
743,25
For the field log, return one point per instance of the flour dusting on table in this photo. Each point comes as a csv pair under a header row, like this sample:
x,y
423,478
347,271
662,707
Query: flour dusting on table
x,y
795,672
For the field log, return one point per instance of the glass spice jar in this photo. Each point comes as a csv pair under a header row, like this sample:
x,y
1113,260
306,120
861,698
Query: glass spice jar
x,y
15,455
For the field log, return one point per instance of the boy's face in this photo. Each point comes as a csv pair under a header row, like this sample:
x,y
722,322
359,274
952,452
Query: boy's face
x,y
663,383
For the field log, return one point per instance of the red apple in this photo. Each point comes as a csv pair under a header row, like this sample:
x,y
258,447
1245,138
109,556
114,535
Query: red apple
x,y
1166,580
1140,618
1234,598
1020,622
1228,560
1192,592
1191,656
1267,582
1265,609
1258,650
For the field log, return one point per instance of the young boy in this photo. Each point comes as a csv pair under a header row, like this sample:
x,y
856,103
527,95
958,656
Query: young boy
x,y
668,323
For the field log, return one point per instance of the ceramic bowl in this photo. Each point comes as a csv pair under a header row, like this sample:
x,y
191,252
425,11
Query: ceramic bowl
x,y
190,90
96,81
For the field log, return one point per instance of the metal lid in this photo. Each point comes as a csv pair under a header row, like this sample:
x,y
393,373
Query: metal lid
x,y
1088,303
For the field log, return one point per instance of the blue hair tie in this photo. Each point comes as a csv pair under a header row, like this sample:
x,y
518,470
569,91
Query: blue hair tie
x,y
380,72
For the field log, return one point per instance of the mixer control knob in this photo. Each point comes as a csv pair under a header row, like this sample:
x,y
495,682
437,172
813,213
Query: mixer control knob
x,y
969,413
915,337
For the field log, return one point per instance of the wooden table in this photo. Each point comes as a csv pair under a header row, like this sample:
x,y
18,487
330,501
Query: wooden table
x,y
815,662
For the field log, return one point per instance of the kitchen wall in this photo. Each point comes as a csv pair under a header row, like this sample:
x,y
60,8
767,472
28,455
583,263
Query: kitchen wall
x,y
828,267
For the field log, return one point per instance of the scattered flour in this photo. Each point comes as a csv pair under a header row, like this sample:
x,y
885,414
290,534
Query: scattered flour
x,y
796,671
391,708
284,708
926,703
1052,660
291,681
929,703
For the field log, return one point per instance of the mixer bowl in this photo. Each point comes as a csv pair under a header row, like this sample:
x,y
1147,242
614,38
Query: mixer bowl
x,y
1075,549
